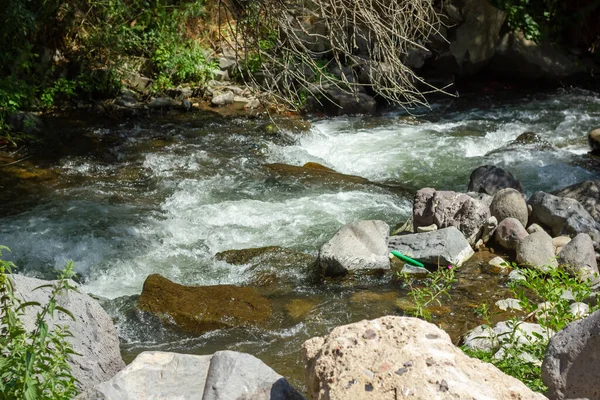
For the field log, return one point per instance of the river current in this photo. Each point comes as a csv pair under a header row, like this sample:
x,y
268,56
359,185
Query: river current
x,y
164,195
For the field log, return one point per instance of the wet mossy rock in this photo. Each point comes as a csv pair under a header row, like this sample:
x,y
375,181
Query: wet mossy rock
x,y
197,309
314,173
274,256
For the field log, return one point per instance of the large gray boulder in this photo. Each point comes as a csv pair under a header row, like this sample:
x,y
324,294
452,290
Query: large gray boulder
x,y
94,334
357,247
477,35
400,357
509,203
443,247
490,179
225,375
587,193
563,215
509,233
571,367
579,256
447,208
536,250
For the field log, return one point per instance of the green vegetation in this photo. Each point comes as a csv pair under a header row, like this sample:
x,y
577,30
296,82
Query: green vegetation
x,y
34,364
55,51
523,358
542,18
433,290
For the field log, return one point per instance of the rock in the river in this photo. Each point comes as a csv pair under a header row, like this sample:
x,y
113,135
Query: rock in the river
x,y
536,251
510,232
563,215
357,247
571,368
94,335
443,247
309,173
225,375
490,179
509,203
400,357
499,264
446,208
594,141
197,309
586,193
273,269
579,257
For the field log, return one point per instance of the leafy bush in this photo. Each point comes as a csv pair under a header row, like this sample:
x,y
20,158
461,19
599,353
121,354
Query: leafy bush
x,y
537,18
34,365
523,359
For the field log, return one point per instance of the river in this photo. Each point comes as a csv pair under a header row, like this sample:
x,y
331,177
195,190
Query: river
x,y
165,194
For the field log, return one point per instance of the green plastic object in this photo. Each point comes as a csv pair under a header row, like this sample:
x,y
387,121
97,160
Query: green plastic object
x,y
406,259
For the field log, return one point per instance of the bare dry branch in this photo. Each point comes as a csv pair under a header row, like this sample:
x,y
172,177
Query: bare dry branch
x,y
309,47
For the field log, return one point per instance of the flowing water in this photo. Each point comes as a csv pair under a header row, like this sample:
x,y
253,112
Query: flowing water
x,y
164,195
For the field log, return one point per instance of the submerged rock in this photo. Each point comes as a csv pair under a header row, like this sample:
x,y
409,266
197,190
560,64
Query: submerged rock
x,y
94,339
275,256
490,179
225,375
397,357
357,247
272,269
443,247
310,174
197,309
571,367
447,208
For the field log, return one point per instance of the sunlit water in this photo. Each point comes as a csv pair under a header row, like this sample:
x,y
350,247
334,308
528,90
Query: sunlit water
x,y
171,192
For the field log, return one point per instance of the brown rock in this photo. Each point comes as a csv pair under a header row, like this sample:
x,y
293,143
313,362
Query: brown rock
x,y
314,175
197,309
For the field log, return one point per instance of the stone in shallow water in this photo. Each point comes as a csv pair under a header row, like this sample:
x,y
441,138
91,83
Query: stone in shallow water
x,y
360,246
441,247
509,305
490,179
197,309
446,208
